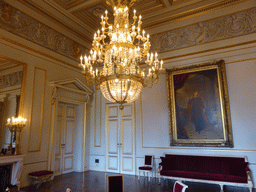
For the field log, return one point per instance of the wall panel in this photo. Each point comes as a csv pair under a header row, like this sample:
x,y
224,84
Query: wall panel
x,y
97,118
36,120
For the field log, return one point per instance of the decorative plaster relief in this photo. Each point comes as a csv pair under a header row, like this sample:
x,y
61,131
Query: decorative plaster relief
x,y
11,79
234,25
24,26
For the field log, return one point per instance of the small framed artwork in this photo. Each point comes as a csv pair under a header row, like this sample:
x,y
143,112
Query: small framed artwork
x,y
199,106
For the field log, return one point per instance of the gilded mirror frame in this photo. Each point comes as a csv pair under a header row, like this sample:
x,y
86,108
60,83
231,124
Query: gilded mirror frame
x,y
199,106
22,89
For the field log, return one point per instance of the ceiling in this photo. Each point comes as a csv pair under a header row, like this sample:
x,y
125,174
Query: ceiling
x,y
83,16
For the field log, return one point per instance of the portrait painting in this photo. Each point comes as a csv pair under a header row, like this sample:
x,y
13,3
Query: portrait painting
x,y
199,106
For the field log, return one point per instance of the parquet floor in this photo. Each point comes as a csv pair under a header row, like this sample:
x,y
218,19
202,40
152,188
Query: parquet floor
x,y
95,181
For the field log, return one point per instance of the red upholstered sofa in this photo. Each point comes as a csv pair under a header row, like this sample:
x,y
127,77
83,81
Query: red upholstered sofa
x,y
206,169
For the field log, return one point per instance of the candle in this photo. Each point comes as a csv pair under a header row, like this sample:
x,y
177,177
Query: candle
x,y
85,60
8,121
134,13
161,64
81,60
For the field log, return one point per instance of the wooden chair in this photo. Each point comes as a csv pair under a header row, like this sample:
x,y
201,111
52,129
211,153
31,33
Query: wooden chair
x,y
115,183
179,187
148,166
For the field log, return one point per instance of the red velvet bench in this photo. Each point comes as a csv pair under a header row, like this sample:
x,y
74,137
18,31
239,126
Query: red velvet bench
x,y
41,176
206,169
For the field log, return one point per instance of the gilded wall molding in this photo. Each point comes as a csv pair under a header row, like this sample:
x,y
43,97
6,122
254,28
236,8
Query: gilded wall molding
x,y
11,79
18,23
222,28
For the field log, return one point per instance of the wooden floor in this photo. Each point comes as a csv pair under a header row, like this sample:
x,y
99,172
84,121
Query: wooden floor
x,y
95,181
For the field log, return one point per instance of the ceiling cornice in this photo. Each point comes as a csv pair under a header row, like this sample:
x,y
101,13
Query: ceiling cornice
x,y
86,36
168,17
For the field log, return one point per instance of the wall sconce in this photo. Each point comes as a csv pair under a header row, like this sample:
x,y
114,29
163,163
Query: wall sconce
x,y
15,126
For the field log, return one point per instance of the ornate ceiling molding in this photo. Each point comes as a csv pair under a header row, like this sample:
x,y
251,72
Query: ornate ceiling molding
x,y
222,28
165,18
18,23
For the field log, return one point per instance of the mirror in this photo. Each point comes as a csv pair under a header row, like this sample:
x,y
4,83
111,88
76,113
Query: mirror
x,y
11,76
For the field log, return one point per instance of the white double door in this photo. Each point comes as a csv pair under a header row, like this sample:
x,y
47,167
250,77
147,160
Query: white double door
x,y
120,134
64,139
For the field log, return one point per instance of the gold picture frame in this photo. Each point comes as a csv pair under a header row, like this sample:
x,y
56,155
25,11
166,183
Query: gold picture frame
x,y
199,106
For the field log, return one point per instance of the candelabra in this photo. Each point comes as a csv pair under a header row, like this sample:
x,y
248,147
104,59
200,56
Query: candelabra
x,y
15,125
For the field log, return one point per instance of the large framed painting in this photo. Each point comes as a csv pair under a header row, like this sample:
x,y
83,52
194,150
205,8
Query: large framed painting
x,y
199,106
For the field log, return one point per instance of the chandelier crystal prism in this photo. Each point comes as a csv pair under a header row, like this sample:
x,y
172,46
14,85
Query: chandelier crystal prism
x,y
117,51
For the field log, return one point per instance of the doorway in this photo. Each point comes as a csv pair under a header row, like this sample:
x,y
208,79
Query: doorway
x,y
65,138
120,131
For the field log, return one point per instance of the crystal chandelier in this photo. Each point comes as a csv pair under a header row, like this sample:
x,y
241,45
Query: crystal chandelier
x,y
118,49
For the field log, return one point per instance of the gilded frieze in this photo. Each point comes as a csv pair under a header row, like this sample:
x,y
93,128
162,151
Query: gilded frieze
x,y
11,79
222,28
24,26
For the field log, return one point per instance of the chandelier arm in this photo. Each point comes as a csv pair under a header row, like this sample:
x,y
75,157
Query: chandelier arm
x,y
107,23
146,85
134,21
128,88
103,41
110,92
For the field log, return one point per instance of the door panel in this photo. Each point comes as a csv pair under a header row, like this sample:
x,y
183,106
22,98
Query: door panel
x,y
127,111
68,164
113,136
113,112
58,141
57,166
70,112
69,137
127,136
113,163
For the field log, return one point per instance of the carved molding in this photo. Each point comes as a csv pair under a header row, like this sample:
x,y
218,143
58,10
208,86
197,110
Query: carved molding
x,y
18,23
58,86
17,161
222,28
11,79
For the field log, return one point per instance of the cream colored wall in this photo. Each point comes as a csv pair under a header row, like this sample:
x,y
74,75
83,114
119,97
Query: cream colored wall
x,y
152,113
152,120
41,70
